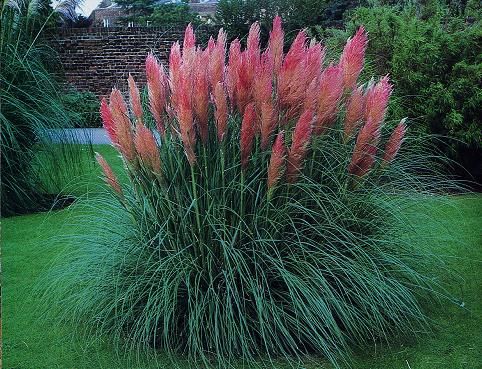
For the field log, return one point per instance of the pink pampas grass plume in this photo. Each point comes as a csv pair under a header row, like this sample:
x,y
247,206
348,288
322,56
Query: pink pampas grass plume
x,y
108,120
314,60
147,149
253,50
292,79
216,60
221,112
299,146
211,45
365,149
156,86
296,53
277,161
122,126
353,57
355,109
263,83
135,98
290,71
268,123
395,142
377,97
311,96
201,94
329,95
185,118
109,175
232,70
244,82
247,134
175,63
189,46
275,44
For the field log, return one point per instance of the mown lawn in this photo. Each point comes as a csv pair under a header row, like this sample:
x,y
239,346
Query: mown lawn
x,y
31,341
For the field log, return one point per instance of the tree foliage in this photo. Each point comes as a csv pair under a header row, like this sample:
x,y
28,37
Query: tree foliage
x,y
436,66
236,15
143,12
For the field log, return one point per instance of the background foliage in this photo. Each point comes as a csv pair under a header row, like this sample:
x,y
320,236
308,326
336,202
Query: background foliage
x,y
433,55
85,107
30,104
237,15
142,11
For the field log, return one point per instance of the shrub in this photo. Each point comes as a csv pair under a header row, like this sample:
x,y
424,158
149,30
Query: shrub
x,y
85,106
435,65
265,219
30,103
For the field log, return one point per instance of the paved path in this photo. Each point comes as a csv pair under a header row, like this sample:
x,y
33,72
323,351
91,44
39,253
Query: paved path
x,y
96,136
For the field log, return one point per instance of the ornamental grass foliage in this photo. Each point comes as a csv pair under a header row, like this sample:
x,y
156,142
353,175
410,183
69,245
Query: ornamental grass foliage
x,y
261,216
31,106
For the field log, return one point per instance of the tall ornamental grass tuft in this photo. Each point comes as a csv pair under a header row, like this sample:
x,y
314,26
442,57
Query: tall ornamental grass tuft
x,y
262,215
30,104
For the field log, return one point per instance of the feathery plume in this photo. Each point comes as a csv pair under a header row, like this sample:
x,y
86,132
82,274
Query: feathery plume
x,y
244,82
299,146
221,112
311,96
147,149
252,45
268,123
262,84
232,70
211,45
109,175
330,92
377,97
189,46
216,60
123,126
355,109
365,149
186,120
247,134
108,120
314,60
277,161
175,71
156,86
135,98
395,142
275,44
353,57
296,53
292,78
201,94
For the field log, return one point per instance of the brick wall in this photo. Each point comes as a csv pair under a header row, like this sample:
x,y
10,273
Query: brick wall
x,y
96,59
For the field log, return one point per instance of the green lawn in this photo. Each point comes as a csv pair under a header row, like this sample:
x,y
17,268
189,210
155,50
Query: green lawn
x,y
30,246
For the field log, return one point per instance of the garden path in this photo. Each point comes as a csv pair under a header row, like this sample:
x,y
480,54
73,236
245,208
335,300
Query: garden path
x,y
95,136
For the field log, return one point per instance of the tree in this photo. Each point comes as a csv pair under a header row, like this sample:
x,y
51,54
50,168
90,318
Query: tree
x,y
157,14
170,14
136,8
236,15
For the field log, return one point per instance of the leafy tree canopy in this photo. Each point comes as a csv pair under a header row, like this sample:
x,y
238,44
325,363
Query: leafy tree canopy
x,y
236,15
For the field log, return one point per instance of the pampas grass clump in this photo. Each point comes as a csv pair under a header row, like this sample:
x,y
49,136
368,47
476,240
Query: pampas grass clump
x,y
263,219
